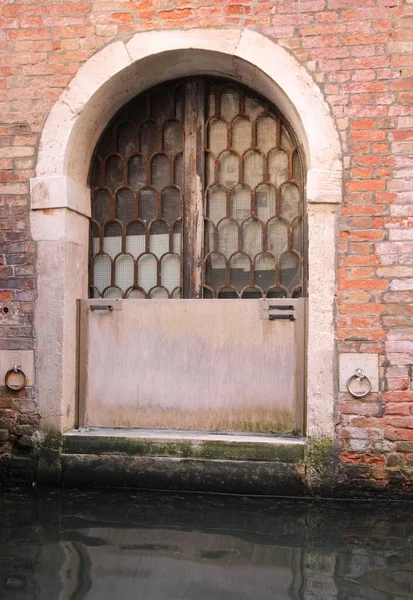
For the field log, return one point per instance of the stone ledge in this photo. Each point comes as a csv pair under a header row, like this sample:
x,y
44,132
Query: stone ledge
x,y
185,444
182,474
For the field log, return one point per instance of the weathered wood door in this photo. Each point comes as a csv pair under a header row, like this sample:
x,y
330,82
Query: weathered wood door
x,y
197,229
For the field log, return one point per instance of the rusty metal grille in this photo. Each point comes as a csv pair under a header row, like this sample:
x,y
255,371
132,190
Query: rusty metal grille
x,y
253,199
137,200
145,236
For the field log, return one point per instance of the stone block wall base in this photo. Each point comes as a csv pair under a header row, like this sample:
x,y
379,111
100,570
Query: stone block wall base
x,y
197,462
181,474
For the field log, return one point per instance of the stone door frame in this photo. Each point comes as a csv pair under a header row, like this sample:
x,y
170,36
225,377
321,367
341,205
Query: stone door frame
x,y
60,198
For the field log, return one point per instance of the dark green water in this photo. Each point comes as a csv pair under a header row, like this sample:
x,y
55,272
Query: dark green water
x,y
135,546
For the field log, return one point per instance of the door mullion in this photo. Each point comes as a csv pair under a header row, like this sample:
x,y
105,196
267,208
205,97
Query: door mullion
x,y
189,169
199,191
193,187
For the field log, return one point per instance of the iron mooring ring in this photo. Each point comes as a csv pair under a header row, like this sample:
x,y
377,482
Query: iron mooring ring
x,y
15,387
359,375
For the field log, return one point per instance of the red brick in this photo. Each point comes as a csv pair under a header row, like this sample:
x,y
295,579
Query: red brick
x,y
360,53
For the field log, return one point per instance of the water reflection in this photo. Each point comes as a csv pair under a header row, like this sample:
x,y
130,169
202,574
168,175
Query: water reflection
x,y
111,546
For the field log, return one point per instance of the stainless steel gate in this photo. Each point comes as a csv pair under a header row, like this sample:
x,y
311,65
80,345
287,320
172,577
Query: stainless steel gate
x,y
209,365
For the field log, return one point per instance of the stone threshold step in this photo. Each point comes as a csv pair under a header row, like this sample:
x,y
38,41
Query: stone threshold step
x,y
185,444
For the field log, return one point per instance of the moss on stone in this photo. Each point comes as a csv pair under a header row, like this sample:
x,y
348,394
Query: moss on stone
x,y
205,449
320,461
49,464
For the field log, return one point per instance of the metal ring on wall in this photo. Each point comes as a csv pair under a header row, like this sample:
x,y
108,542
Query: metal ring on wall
x,y
15,379
359,375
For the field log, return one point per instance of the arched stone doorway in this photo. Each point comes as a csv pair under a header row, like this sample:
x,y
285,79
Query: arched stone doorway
x,y
61,198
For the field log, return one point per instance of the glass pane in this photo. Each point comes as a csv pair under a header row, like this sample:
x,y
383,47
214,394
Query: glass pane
x,y
264,270
290,270
239,271
253,168
172,137
160,171
290,202
252,237
265,199
209,169
159,293
228,169
159,238
276,293
178,171
286,141
147,204
126,138
297,168
215,267
135,238
228,293
124,271
278,167
228,237
114,172
216,203
136,294
217,136
137,169
107,144
171,205
230,107
148,139
209,237
101,201
95,232
177,238
161,105
112,241
170,272
211,103
277,237
147,271
251,293
95,178
101,271
124,205
266,133
179,102
241,135
241,202
298,241
253,107
113,292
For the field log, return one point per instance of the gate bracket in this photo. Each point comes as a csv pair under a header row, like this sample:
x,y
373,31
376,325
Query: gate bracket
x,y
273,310
105,304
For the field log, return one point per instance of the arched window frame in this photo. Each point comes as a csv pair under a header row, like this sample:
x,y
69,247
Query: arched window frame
x,y
205,116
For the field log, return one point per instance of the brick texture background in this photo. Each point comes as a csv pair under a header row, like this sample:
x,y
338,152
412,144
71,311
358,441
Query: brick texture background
x,y
360,52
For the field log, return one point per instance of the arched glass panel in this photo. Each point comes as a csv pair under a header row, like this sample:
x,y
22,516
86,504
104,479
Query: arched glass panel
x,y
189,192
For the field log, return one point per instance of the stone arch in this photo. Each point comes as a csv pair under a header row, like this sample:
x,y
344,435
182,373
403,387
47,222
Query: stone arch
x,y
102,85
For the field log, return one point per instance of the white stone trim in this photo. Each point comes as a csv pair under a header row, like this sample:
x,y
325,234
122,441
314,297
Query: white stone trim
x,y
59,191
102,85
324,186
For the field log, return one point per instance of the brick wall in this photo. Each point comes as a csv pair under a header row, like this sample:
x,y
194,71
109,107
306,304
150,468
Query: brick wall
x,y
360,54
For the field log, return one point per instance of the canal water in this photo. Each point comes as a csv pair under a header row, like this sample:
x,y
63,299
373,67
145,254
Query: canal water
x,y
144,546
